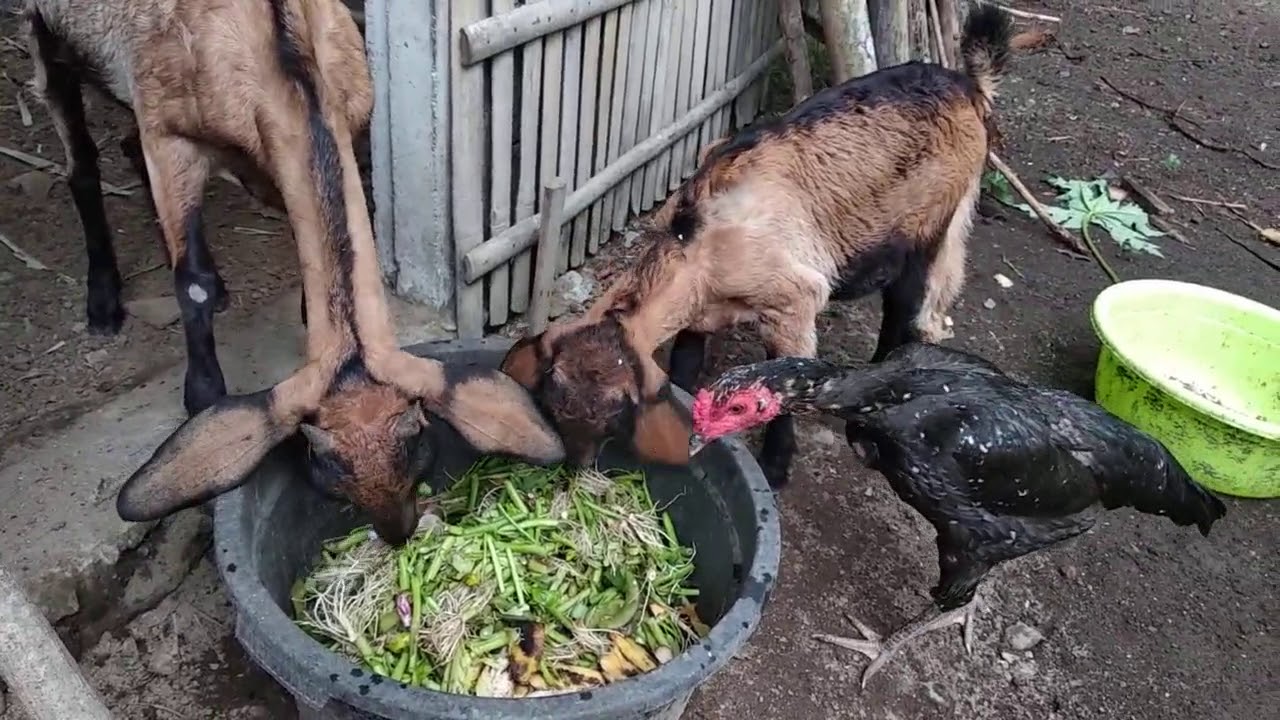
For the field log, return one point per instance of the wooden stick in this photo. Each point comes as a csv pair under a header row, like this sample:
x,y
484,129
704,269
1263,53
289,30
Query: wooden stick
x,y
544,274
1215,203
1147,198
1029,15
485,38
795,48
35,664
1037,207
948,18
40,163
939,48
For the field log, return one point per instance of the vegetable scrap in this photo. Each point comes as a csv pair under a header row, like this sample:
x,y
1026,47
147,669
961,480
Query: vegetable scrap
x,y
520,581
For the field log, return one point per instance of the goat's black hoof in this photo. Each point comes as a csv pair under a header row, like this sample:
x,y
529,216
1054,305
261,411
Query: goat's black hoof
x,y
104,313
221,296
200,392
777,474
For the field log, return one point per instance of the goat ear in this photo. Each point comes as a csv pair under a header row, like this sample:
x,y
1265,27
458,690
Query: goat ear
x,y
662,432
206,456
487,407
523,361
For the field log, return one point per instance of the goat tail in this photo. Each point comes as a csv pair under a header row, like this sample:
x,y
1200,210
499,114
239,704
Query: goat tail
x,y
988,34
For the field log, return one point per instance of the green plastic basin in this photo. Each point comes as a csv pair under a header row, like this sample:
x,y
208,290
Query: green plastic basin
x,y
1199,369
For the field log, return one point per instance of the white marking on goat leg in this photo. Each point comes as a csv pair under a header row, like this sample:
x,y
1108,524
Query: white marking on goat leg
x,y
197,294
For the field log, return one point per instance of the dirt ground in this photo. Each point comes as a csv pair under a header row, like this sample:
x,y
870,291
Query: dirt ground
x,y
1141,619
51,368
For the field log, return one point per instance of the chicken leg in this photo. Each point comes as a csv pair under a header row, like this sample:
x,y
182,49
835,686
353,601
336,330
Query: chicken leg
x,y
880,651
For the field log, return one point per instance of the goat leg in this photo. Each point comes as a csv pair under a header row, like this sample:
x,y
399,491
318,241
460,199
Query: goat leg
x,y
178,174
131,148
59,83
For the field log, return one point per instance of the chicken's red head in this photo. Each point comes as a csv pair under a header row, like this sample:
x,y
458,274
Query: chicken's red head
x,y
720,411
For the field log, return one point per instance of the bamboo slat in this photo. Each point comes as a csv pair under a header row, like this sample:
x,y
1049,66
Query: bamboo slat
x,y
467,186
501,105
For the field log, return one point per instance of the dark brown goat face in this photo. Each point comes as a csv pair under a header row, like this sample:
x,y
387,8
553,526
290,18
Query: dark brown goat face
x,y
366,447
594,384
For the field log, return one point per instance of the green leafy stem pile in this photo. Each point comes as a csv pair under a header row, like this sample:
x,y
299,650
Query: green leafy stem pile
x,y
520,581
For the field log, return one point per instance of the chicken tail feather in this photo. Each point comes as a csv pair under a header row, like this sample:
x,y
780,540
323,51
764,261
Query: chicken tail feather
x,y
1166,489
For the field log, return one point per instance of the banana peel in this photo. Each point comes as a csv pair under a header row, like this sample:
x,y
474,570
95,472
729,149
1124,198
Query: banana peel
x,y
525,653
589,676
625,659
636,655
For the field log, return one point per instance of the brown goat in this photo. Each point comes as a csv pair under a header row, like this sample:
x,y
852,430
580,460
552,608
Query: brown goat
x,y
867,186
180,67
284,83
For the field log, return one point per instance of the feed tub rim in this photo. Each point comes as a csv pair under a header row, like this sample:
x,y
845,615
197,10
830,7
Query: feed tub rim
x,y
281,641
1114,340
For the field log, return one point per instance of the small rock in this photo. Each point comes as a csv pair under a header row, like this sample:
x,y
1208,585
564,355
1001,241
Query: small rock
x,y
570,292
34,184
157,312
1065,73
1008,657
869,492
824,436
1021,636
164,658
1003,280
1130,30
97,358
1024,671
1070,572
989,304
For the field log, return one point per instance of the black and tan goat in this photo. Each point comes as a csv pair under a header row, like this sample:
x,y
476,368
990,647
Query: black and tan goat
x,y
182,70
867,186
285,82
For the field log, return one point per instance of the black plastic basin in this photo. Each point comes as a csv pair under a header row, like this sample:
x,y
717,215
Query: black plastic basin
x,y
268,531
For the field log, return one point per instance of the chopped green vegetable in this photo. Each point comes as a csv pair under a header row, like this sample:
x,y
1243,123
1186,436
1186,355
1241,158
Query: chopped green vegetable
x,y
525,580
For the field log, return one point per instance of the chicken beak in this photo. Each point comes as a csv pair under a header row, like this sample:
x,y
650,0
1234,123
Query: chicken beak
x,y
696,443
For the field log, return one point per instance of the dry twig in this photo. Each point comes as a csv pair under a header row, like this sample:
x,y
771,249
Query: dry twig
x,y
1179,124
1026,15
1202,201
1267,261
40,163
1037,207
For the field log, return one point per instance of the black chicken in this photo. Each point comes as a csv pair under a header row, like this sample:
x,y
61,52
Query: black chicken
x,y
1000,468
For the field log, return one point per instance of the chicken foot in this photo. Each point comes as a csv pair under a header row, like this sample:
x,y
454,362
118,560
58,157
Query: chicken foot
x,y
879,651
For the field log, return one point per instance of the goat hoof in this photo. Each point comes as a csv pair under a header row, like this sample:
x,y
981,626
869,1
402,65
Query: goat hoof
x,y
104,312
201,392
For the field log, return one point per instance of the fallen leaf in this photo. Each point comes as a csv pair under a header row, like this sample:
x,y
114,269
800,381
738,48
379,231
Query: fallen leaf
x,y
1003,281
989,304
1089,202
